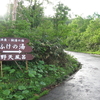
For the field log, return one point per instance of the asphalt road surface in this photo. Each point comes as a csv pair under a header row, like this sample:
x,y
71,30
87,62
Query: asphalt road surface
x,y
84,85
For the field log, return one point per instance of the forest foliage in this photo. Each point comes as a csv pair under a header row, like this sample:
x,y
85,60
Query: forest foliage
x,y
47,35
85,34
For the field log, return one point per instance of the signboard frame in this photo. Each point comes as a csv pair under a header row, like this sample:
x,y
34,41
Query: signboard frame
x,y
14,49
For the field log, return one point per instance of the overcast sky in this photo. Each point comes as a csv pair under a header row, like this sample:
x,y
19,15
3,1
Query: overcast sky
x,y
78,7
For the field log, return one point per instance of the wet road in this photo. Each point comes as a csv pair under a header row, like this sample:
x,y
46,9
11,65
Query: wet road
x,y
84,85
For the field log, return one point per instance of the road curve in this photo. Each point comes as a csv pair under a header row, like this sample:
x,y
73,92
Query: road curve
x,y
84,85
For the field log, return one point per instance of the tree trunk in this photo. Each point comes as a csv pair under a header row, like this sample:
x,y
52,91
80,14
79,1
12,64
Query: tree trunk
x,y
14,10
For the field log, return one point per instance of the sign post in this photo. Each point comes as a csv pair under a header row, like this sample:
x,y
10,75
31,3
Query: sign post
x,y
26,64
1,68
14,49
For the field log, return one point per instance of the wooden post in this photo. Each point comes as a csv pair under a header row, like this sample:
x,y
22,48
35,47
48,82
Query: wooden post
x,y
1,68
26,65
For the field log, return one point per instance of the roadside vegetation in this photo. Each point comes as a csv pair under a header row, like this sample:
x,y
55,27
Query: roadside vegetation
x,y
85,34
35,82
49,37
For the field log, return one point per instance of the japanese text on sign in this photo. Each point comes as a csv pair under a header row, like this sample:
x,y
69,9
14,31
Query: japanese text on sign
x,y
12,46
11,40
11,57
13,49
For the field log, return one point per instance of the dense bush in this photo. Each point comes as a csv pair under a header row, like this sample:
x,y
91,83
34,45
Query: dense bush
x,y
84,35
31,84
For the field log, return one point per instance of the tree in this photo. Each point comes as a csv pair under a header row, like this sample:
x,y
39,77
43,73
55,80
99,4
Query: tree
x,y
93,26
79,25
33,13
61,15
14,10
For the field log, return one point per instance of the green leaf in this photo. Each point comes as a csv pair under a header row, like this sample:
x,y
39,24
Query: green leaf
x,y
40,70
6,92
25,92
1,99
19,97
0,80
10,96
12,71
42,83
21,87
32,73
39,75
6,68
41,62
